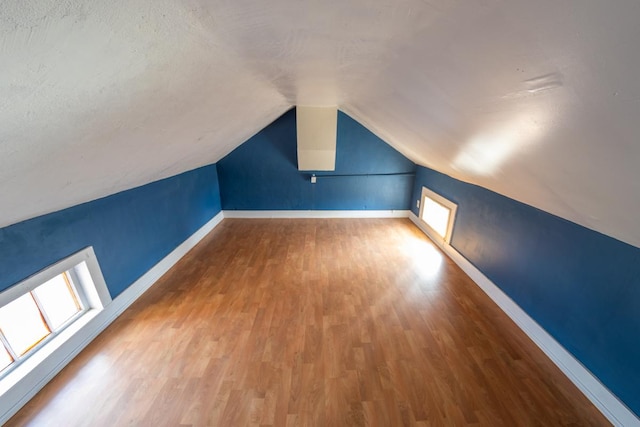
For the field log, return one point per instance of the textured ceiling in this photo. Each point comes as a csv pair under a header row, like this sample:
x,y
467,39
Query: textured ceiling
x,y
536,100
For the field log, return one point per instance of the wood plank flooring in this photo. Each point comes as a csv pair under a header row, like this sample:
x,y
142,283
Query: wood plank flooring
x,y
312,322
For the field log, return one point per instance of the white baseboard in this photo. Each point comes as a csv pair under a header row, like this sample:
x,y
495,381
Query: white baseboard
x,y
317,214
18,396
610,406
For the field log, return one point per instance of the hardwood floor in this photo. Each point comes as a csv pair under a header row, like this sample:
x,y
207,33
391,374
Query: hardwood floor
x,y
312,322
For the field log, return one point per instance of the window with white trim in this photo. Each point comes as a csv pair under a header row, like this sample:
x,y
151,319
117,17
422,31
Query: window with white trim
x,y
438,213
31,320
40,313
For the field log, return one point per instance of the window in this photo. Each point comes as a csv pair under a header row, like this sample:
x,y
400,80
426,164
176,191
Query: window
x,y
35,317
438,214
38,315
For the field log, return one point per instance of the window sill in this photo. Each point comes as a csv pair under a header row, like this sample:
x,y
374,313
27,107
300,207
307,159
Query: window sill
x,y
48,356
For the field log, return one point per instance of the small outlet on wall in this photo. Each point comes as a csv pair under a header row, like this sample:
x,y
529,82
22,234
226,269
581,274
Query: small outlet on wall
x,y
313,179
418,203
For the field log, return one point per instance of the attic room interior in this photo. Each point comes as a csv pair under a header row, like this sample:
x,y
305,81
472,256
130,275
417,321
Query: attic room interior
x,y
319,213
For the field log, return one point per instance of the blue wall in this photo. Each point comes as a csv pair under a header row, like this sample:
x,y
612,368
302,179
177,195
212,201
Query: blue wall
x,y
130,231
262,174
581,286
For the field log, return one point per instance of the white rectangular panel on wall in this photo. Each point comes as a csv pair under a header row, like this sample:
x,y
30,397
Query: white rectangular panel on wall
x,y
316,130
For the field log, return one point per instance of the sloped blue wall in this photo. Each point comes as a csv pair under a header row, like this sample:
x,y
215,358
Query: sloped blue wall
x,y
130,231
262,173
581,286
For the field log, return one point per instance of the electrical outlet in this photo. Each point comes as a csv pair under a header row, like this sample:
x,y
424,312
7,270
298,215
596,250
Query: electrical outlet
x,y
418,203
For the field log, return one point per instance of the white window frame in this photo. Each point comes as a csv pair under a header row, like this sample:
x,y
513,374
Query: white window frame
x,y
426,192
78,293
87,277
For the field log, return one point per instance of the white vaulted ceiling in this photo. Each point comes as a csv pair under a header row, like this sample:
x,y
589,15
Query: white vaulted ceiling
x,y
536,100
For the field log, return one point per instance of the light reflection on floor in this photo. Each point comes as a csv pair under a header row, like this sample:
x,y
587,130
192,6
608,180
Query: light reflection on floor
x,y
427,263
